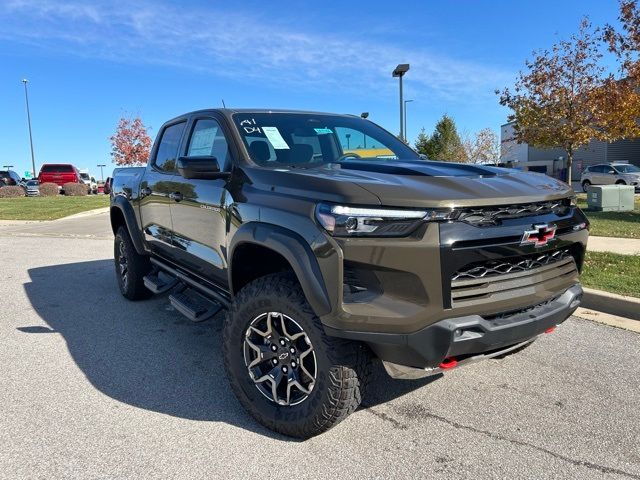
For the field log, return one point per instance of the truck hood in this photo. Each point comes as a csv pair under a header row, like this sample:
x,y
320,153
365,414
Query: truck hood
x,y
415,183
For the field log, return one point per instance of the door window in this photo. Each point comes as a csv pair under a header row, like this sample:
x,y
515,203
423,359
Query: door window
x,y
207,138
168,147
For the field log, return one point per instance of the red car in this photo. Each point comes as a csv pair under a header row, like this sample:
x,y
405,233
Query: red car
x,y
59,173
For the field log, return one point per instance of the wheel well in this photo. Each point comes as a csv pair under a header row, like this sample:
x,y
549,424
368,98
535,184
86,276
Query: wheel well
x,y
117,219
251,261
621,182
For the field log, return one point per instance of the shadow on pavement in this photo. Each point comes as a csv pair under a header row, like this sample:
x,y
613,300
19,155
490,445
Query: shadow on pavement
x,y
146,354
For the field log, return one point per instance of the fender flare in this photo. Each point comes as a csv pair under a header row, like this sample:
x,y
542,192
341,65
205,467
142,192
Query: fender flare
x,y
295,250
122,204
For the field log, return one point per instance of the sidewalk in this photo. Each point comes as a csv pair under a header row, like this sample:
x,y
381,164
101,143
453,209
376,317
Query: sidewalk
x,y
622,246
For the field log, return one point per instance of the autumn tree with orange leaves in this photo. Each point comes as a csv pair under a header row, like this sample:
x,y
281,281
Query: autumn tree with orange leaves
x,y
566,98
130,145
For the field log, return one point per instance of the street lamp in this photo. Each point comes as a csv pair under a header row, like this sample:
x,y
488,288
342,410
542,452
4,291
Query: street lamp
x,y
348,135
101,175
405,116
26,99
7,167
399,72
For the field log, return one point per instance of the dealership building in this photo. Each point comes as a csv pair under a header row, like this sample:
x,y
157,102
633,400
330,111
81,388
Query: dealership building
x,y
552,161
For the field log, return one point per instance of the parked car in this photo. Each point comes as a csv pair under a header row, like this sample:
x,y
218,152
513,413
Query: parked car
x,y
9,177
33,188
89,181
107,185
611,174
327,257
59,173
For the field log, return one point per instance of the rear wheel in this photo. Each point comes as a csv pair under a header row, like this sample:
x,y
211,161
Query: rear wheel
x,y
282,367
621,182
585,185
131,267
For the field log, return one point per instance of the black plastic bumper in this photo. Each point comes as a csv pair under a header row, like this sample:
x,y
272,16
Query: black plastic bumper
x,y
467,336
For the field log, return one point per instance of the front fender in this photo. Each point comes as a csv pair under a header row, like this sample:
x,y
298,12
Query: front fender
x,y
295,250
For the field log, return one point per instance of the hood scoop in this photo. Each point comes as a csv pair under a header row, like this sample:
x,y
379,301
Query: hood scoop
x,y
424,168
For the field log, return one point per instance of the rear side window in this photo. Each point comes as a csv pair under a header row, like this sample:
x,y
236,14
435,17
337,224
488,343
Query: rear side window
x,y
207,138
168,147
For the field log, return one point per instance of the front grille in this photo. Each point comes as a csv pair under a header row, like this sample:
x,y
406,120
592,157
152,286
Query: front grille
x,y
527,276
520,264
489,216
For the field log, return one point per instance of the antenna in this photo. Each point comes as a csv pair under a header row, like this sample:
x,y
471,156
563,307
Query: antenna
x,y
223,105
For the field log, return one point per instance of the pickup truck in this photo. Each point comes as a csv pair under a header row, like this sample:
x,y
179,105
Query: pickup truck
x,y
329,243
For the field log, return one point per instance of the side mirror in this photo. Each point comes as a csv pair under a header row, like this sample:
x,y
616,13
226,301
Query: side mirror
x,y
204,167
612,171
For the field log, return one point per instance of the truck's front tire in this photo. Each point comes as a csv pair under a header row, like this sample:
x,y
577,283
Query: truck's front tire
x,y
131,267
272,337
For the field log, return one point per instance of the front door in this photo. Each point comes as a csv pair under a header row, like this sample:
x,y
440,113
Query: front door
x,y
156,188
199,214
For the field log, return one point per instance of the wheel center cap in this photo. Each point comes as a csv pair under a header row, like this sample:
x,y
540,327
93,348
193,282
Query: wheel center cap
x,y
283,356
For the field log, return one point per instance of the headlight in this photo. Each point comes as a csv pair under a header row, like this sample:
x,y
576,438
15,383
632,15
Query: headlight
x,y
345,221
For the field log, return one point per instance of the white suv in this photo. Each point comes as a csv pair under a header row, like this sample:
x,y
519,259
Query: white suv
x,y
611,174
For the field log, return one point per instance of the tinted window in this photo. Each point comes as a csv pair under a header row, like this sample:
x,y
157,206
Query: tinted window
x,y
599,169
627,169
168,147
207,139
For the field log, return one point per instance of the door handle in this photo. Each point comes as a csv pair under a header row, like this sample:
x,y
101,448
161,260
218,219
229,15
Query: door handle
x,y
176,196
145,192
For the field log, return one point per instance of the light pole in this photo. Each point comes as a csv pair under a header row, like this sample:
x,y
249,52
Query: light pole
x,y
101,175
26,99
399,72
405,117
348,135
8,167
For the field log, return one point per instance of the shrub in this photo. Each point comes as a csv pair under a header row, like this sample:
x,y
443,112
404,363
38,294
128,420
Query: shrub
x,y
11,191
75,189
49,189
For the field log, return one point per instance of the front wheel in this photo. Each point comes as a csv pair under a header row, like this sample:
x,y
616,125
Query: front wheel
x,y
131,267
585,185
282,367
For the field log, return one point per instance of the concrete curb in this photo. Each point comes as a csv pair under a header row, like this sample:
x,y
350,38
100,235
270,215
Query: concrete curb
x,y
621,306
86,213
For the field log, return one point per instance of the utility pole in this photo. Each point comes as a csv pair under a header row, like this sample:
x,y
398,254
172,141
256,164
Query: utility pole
x,y
405,118
101,174
26,99
399,72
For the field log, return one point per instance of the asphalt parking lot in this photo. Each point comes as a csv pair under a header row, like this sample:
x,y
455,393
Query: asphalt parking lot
x,y
94,386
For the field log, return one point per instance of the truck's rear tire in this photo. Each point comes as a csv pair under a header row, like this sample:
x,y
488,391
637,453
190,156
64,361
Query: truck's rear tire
x,y
131,267
272,327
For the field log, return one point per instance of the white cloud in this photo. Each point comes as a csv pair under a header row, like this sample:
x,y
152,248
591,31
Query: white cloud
x,y
244,46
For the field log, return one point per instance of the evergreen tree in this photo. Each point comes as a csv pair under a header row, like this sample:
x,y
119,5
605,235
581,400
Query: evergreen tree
x,y
444,144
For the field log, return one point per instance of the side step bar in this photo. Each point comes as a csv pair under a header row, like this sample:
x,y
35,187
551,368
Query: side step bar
x,y
159,282
206,291
194,306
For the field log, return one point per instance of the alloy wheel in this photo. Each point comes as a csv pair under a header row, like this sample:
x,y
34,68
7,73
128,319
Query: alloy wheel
x,y
280,358
122,265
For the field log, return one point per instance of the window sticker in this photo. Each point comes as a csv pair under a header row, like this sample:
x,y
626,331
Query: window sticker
x,y
274,137
202,141
323,131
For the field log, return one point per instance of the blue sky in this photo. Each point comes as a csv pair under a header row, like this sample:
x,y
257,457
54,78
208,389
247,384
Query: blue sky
x,y
89,63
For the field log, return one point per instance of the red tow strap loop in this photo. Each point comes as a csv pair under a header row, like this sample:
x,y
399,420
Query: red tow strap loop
x,y
448,363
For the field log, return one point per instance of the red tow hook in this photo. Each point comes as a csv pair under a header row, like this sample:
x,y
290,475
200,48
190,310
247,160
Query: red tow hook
x,y
550,329
448,363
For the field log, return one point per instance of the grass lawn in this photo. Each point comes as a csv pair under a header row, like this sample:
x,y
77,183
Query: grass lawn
x,y
48,208
613,224
612,273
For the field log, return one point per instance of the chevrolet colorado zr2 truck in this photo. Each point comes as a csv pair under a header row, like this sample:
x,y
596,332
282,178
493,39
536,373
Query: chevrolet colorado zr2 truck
x,y
330,244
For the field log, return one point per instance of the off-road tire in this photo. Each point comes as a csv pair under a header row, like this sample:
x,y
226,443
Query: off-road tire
x,y
585,185
343,368
137,267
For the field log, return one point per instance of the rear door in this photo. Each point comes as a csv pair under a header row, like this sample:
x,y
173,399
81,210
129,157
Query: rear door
x,y
156,188
199,211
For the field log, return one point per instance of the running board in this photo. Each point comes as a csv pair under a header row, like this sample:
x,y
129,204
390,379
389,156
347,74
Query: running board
x,y
159,282
194,306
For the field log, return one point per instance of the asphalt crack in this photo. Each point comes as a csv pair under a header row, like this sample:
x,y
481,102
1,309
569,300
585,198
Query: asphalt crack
x,y
497,436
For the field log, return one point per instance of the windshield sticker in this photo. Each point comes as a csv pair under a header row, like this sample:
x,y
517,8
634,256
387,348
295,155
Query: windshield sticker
x,y
202,141
323,131
274,137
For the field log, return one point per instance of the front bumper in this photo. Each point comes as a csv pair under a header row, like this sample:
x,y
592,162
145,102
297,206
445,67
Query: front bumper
x,y
465,339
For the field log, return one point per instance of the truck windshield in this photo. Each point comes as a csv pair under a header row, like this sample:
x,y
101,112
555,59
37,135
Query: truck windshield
x,y
280,140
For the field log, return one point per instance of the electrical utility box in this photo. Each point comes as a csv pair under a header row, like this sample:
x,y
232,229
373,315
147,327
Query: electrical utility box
x,y
610,198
